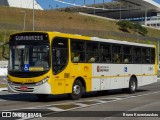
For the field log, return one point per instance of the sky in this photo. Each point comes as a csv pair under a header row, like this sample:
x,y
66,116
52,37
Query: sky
x,y
52,4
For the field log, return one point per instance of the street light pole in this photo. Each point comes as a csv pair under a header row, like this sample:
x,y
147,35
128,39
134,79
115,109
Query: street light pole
x,y
158,54
33,15
24,20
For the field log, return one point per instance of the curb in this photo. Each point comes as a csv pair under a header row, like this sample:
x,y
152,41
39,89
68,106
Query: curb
x,y
3,89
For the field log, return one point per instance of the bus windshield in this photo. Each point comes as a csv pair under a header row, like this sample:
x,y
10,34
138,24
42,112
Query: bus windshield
x,y
28,58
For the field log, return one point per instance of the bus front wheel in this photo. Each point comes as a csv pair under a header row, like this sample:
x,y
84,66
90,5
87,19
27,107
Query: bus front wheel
x,y
76,90
132,85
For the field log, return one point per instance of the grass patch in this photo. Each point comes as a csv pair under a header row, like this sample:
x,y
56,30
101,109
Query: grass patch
x,y
74,23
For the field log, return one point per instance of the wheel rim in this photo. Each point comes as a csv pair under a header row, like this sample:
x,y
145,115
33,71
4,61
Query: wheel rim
x,y
76,89
133,86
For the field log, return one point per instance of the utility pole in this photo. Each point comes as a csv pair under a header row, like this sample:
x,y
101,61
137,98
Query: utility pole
x,y
24,20
94,6
33,15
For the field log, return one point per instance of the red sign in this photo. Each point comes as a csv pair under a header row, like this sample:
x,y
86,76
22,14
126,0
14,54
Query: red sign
x,y
23,88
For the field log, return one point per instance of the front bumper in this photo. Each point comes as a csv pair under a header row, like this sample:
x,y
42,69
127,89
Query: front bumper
x,y
40,89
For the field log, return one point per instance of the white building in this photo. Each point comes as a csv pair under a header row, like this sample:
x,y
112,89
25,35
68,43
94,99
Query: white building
x,y
21,4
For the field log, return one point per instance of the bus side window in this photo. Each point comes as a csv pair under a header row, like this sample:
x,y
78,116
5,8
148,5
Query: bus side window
x,y
92,52
137,55
77,51
146,56
117,54
152,55
105,53
127,54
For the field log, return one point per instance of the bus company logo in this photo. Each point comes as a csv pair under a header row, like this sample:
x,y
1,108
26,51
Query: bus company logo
x,y
98,69
102,68
86,68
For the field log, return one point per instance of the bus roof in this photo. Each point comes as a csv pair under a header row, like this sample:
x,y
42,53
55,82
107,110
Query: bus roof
x,y
77,36
121,42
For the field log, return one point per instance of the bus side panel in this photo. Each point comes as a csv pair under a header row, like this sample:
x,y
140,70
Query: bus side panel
x,y
148,74
132,69
62,81
101,77
117,76
81,70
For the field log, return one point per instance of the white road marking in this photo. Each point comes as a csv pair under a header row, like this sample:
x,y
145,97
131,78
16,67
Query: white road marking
x,y
85,105
101,101
81,105
55,109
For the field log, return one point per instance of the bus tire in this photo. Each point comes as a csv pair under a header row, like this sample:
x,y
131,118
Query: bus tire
x,y
42,96
132,85
76,90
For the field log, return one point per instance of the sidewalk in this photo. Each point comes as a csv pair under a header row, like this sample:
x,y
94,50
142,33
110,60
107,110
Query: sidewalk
x,y
4,89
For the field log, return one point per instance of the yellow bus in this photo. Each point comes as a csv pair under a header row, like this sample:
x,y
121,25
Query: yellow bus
x,y
44,63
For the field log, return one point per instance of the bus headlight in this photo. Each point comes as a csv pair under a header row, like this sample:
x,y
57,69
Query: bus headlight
x,y
9,82
42,81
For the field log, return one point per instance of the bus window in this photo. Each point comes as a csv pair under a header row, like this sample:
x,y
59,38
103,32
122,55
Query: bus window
x,y
137,55
117,54
146,55
127,57
60,54
40,56
32,55
152,56
92,54
77,51
105,53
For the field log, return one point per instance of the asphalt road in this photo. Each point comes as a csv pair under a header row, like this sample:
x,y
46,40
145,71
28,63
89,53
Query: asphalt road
x,y
113,105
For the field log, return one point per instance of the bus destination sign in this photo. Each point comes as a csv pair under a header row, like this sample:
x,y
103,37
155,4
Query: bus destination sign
x,y
28,36
33,37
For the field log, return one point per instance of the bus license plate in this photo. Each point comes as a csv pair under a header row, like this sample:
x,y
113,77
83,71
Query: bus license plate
x,y
23,88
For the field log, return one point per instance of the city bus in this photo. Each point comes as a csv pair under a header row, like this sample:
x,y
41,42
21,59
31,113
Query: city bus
x,y
44,63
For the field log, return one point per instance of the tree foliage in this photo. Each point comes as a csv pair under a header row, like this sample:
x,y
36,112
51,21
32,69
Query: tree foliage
x,y
125,25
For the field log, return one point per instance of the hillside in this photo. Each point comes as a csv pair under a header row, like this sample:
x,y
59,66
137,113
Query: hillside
x,y
12,19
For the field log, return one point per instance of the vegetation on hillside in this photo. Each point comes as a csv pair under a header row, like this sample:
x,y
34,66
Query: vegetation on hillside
x,y
125,25
12,20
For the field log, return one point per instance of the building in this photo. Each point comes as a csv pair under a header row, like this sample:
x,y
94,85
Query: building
x,y
21,4
146,12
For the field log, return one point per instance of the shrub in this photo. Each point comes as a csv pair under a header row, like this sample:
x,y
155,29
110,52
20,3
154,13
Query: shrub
x,y
125,25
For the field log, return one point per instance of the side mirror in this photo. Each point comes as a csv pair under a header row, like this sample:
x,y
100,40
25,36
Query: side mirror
x,y
5,52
